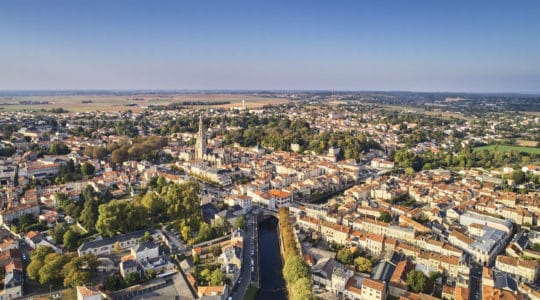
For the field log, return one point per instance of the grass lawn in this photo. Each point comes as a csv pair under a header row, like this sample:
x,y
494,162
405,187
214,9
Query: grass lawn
x,y
505,148
251,292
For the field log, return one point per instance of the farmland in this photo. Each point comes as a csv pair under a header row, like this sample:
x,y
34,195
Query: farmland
x,y
135,102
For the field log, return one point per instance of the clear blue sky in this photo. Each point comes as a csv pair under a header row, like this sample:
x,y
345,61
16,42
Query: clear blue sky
x,y
472,46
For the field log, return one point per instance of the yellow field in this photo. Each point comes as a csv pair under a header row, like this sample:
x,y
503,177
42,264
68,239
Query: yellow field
x,y
525,143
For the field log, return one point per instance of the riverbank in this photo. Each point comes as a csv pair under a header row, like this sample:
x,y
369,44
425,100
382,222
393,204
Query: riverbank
x,y
296,272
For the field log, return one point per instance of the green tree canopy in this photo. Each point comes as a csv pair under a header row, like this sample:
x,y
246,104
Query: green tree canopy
x,y
71,240
216,277
301,289
345,256
57,232
417,281
519,177
363,264
240,222
133,217
295,268
50,272
385,217
87,169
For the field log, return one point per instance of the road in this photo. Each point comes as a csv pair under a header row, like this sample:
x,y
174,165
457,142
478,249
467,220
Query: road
x,y
250,247
475,278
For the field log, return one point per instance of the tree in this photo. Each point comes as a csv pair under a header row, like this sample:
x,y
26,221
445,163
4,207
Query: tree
x,y
205,232
409,171
301,289
73,276
33,268
59,149
216,277
363,264
117,246
71,239
147,237
57,233
196,259
186,233
295,268
73,210
99,152
385,217
89,214
205,274
160,182
132,278
240,222
182,201
88,261
113,282
62,199
151,274
433,276
37,261
417,281
49,273
87,169
345,256
519,177
154,204
74,271
40,252
133,217
119,155
216,250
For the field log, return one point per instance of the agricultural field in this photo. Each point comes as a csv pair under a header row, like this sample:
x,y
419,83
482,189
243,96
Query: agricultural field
x,y
137,103
526,143
419,110
505,148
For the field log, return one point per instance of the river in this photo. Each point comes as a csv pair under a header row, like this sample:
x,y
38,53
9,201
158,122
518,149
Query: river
x,y
272,283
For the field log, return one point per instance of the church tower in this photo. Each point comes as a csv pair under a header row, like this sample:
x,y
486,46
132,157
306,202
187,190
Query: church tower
x,y
200,146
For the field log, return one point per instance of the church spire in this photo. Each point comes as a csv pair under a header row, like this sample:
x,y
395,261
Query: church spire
x,y
201,140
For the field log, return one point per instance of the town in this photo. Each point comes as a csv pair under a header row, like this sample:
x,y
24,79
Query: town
x,y
171,201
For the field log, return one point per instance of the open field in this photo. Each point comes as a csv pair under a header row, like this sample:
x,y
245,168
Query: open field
x,y
434,112
132,102
504,148
526,143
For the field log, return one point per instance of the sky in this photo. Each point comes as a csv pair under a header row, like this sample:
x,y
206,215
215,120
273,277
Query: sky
x,y
462,46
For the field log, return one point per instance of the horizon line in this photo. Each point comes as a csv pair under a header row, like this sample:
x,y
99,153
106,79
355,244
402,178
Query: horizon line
x,y
214,90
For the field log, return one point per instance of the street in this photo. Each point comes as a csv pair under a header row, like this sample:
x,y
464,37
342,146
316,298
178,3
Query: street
x,y
249,255
475,278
